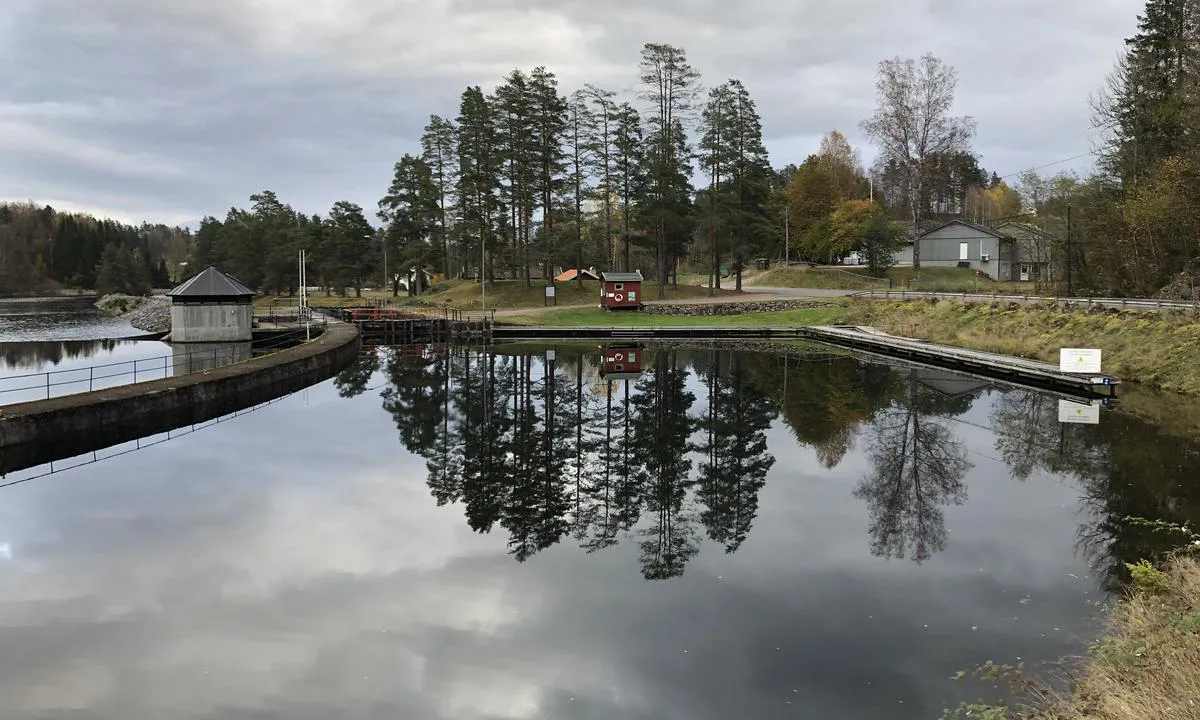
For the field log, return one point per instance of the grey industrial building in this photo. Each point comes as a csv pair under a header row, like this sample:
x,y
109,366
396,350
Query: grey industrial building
x,y
211,307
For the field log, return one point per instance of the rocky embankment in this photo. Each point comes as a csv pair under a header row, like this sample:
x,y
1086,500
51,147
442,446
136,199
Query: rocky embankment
x,y
695,309
152,315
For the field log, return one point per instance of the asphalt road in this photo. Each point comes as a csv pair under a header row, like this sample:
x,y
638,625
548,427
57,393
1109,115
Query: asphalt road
x,y
797,292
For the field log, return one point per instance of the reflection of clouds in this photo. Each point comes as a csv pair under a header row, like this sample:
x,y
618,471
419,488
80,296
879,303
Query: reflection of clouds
x,y
314,581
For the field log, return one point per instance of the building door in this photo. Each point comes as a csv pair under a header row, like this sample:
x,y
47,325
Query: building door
x,y
1024,273
963,251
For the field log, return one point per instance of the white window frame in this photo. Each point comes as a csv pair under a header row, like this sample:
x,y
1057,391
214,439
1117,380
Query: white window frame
x,y
618,286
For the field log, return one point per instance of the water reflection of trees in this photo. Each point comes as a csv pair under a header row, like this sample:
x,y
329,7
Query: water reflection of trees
x,y
545,450
526,444
38,354
1124,467
918,467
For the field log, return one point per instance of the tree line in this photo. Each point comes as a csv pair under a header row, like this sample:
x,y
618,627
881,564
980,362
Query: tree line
x,y
527,178
42,249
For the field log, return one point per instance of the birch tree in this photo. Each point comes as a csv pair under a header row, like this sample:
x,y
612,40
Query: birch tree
x,y
912,122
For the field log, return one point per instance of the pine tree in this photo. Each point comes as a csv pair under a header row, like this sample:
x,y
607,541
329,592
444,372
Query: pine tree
x,y
716,160
630,170
750,178
478,174
549,131
581,143
438,150
1152,108
671,85
513,104
410,211
353,244
604,161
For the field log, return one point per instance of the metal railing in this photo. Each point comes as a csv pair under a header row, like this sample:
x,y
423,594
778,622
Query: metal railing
x,y
54,383
1113,303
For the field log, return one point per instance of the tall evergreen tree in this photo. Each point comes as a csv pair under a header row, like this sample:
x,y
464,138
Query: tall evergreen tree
x,y
750,179
671,85
478,175
630,171
717,154
513,103
1151,107
438,150
549,131
410,211
604,157
581,144
353,242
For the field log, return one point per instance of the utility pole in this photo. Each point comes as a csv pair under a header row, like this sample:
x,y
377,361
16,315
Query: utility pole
x,y
1070,288
787,256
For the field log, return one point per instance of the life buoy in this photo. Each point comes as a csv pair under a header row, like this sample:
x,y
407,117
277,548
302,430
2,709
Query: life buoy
x,y
618,297
619,357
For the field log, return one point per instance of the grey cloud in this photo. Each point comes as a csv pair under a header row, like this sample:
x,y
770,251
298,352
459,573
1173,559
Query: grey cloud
x,y
170,111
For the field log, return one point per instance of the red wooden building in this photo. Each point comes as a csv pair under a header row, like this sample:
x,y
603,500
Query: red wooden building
x,y
620,290
620,362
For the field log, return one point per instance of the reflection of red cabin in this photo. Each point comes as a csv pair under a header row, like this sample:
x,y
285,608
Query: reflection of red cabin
x,y
622,361
620,290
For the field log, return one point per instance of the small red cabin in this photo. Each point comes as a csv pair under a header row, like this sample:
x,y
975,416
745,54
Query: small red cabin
x,y
619,290
620,362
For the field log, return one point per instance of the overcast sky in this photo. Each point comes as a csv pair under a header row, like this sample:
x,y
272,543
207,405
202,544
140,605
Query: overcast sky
x,y
169,110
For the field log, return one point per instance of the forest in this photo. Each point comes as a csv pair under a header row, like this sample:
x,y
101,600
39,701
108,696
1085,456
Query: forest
x,y
530,178
42,249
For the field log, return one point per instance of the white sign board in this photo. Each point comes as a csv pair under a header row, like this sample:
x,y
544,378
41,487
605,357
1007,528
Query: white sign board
x,y
550,291
1079,360
1079,413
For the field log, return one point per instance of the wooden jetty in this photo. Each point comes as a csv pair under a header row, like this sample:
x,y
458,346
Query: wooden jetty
x,y
389,326
982,364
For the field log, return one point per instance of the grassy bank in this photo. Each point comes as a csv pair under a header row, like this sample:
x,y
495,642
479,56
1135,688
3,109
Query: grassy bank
x,y
595,317
1160,351
1145,666
938,279
501,295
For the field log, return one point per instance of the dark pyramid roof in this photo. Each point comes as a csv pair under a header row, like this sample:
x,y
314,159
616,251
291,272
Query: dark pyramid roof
x,y
622,276
211,283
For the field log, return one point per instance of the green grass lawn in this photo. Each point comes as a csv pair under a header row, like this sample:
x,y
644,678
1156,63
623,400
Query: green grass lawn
x,y
937,279
583,317
512,294
501,295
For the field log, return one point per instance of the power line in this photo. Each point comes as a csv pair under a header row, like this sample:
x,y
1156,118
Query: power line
x,y
1050,164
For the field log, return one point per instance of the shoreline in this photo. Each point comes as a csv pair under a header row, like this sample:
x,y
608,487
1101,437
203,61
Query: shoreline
x,y
1144,664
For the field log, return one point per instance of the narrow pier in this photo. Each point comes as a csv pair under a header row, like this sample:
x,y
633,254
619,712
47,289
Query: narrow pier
x,y
994,365
991,365
386,326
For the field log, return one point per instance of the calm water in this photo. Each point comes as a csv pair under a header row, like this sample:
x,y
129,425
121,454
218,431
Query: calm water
x,y
79,347
77,366
457,535
59,319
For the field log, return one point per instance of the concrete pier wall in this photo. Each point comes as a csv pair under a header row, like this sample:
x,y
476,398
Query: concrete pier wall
x,y
42,431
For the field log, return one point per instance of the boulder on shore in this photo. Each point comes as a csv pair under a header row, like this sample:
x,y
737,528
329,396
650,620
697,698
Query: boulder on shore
x,y
152,315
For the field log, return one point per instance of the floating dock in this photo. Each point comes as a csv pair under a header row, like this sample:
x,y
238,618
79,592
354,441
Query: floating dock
x,y
982,364
385,326
974,362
